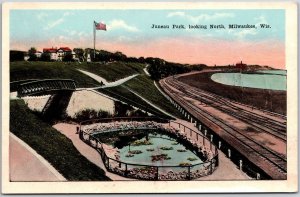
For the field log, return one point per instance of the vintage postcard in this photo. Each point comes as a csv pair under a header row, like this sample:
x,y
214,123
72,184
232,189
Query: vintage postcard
x,y
149,97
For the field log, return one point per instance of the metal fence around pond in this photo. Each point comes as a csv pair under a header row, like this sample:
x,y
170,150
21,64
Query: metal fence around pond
x,y
152,172
128,119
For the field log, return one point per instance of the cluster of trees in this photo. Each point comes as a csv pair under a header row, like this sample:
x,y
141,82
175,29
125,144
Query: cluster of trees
x,y
159,68
32,55
106,56
16,55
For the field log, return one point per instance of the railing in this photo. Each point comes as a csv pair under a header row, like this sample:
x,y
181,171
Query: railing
x,y
14,85
152,172
39,86
129,119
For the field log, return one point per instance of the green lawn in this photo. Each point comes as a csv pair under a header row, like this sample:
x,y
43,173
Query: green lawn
x,y
52,145
145,87
141,84
49,70
123,94
112,71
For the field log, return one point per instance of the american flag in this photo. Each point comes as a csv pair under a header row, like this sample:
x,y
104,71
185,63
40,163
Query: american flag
x,y
100,26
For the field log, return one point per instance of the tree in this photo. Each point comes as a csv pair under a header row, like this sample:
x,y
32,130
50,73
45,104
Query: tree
x,y
68,57
119,56
79,53
141,59
16,55
32,55
45,57
104,55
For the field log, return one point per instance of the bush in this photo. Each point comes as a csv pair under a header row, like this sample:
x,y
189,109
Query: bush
x,y
16,55
88,114
68,57
45,57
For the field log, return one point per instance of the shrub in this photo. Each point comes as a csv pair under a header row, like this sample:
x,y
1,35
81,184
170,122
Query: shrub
x,y
88,114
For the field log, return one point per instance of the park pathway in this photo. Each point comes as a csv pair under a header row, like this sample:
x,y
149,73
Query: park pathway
x,y
69,130
226,170
25,164
104,81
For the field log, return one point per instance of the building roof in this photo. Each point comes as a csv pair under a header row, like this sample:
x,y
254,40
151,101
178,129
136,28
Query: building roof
x,y
65,49
50,50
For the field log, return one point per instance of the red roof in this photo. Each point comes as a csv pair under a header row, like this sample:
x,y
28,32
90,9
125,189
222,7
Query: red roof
x,y
65,49
50,50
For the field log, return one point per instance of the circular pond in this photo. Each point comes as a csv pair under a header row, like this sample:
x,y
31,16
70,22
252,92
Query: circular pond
x,y
149,148
158,150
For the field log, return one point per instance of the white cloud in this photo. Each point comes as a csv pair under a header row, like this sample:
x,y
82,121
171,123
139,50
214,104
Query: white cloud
x,y
201,17
68,14
120,24
261,19
41,16
171,14
245,32
124,39
54,23
62,38
74,33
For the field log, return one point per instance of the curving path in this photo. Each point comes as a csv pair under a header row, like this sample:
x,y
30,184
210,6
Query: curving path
x,y
25,164
69,130
106,83
226,169
146,70
221,173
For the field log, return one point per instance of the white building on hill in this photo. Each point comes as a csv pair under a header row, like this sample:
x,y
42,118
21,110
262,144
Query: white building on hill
x,y
52,52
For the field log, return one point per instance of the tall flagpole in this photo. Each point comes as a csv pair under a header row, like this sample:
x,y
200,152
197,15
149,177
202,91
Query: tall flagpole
x,y
94,39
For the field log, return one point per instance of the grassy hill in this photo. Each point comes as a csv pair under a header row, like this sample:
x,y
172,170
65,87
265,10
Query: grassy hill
x,y
145,87
112,71
141,84
22,70
59,150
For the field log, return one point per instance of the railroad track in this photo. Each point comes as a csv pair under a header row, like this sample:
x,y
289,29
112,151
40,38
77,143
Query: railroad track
x,y
273,127
260,151
217,98
274,114
229,103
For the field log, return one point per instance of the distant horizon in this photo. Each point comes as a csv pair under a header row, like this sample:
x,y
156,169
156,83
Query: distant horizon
x,y
132,33
149,57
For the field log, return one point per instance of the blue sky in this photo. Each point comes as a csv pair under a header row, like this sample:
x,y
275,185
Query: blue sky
x,y
46,28
135,24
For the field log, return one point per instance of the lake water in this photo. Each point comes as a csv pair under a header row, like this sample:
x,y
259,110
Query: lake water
x,y
280,72
271,79
158,141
